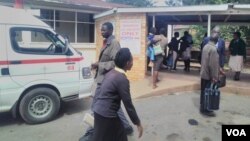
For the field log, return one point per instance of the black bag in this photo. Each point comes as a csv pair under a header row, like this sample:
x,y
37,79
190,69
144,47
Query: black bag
x,y
222,81
212,97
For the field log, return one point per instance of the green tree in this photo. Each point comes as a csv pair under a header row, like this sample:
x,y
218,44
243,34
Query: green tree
x,y
199,32
137,3
173,2
226,30
199,2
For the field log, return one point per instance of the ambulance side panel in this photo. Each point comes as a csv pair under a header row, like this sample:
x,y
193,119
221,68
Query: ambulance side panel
x,y
9,90
45,66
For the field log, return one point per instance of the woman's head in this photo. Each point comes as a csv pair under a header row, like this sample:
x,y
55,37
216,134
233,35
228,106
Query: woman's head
x,y
163,31
153,30
176,34
237,35
124,59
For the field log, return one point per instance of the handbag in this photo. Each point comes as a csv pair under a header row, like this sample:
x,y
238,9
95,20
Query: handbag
x,y
157,49
212,97
222,81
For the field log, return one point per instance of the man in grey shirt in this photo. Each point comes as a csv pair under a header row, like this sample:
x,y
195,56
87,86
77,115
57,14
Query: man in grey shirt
x,y
209,69
106,63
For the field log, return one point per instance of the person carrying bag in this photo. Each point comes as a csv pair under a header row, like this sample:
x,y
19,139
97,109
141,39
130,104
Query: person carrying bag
x,y
212,97
157,49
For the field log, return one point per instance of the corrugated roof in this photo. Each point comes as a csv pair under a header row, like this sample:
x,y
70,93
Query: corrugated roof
x,y
95,6
190,15
91,3
168,10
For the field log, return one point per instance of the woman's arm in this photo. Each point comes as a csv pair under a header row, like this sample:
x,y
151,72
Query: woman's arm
x,y
124,92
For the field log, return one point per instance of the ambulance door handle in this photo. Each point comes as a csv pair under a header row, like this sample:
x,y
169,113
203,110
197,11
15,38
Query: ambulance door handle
x,y
70,63
15,62
5,71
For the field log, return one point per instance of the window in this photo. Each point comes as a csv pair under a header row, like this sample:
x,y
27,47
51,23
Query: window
x,y
65,16
79,27
36,41
66,29
85,28
83,17
47,14
85,33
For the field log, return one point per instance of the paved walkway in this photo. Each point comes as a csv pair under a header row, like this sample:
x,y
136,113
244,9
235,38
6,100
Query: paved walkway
x,y
179,81
177,117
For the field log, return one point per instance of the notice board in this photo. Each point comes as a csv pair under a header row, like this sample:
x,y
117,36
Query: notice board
x,y
130,35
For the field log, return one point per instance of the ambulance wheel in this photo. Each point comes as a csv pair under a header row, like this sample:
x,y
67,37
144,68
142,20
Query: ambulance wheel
x,y
39,105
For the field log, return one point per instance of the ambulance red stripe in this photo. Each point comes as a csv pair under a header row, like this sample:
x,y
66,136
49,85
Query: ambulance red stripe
x,y
4,62
40,61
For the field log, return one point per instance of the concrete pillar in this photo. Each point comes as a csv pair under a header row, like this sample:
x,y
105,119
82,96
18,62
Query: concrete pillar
x,y
208,24
170,32
153,21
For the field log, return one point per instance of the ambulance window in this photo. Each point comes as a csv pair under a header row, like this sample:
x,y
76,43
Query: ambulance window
x,y
36,41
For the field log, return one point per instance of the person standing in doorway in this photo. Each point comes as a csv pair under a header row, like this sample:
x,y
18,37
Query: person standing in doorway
x,y
209,69
237,50
186,46
106,63
162,41
114,89
174,46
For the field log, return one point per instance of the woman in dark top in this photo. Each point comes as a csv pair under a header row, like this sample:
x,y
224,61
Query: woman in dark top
x,y
185,49
174,46
237,50
114,89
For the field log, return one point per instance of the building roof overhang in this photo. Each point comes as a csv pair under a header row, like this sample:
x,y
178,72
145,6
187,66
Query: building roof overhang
x,y
91,6
226,13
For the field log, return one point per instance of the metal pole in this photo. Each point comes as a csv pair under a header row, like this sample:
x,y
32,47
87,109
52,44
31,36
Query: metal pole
x,y
152,68
76,26
54,20
208,24
153,21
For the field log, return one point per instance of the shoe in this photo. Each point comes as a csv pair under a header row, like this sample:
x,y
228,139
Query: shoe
x,y
208,113
129,130
87,137
236,79
164,67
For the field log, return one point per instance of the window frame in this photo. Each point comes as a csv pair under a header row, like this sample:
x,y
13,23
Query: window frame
x,y
32,29
55,21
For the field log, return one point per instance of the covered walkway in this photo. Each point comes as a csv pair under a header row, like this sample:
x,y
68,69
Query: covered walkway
x,y
141,18
230,14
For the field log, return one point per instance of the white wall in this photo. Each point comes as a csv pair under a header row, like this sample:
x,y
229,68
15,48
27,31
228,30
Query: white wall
x,y
88,50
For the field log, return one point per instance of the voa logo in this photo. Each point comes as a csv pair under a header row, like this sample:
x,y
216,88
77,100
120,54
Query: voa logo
x,y
236,132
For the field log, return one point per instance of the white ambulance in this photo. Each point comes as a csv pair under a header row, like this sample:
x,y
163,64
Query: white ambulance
x,y
38,68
